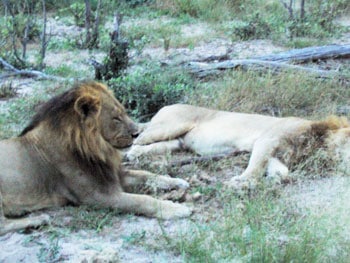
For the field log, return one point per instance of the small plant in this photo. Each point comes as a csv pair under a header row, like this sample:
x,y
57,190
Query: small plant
x,y
135,237
90,218
50,252
7,90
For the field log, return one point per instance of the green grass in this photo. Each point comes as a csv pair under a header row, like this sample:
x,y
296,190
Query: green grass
x,y
260,228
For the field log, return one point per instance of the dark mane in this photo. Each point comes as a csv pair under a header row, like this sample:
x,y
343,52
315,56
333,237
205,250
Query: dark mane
x,y
96,157
53,110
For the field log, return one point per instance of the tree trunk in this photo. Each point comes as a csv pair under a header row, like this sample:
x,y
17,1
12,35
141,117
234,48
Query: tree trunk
x,y
302,10
118,59
87,23
43,38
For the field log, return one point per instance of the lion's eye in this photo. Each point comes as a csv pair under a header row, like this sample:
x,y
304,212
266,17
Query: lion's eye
x,y
116,119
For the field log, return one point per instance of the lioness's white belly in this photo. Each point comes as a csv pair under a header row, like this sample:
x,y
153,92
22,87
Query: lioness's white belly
x,y
227,132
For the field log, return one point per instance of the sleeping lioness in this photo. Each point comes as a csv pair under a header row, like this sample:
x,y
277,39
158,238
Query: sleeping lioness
x,y
274,142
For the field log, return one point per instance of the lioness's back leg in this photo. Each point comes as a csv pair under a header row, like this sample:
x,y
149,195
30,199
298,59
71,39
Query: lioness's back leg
x,y
262,152
10,225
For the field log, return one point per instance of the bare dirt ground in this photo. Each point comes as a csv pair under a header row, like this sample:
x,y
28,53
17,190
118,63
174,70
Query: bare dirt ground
x,y
130,238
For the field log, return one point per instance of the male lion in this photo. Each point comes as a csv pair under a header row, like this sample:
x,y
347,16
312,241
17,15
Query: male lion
x,y
68,154
274,143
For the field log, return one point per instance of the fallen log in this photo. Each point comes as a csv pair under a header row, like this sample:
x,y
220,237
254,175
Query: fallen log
x,y
280,62
309,54
202,70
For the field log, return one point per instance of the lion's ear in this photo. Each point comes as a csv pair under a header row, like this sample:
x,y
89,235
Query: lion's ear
x,y
87,106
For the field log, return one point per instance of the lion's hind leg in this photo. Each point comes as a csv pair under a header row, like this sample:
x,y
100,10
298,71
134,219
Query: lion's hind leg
x,y
277,171
258,165
11,225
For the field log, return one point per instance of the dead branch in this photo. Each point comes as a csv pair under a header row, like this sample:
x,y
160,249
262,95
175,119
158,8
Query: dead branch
x,y
24,73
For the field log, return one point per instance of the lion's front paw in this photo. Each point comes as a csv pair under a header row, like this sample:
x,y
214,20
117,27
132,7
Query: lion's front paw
x,y
164,182
179,183
170,210
240,183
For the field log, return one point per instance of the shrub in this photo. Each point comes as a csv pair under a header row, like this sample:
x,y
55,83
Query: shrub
x,y
144,93
7,90
256,27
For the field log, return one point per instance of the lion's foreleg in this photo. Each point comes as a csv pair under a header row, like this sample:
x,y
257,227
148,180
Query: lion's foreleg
x,y
140,177
148,206
163,132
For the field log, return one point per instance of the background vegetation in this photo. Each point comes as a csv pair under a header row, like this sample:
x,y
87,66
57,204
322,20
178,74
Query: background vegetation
x,y
259,227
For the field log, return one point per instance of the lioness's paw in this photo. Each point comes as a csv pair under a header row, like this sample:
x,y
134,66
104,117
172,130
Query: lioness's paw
x,y
134,152
240,183
141,140
170,210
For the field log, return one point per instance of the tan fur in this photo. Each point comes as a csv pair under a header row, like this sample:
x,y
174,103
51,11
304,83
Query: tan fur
x,y
275,143
69,154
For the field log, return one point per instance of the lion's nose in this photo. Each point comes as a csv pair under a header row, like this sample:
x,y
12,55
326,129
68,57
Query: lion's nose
x,y
134,130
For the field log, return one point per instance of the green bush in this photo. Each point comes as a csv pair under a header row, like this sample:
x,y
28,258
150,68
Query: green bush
x,y
256,27
7,90
144,93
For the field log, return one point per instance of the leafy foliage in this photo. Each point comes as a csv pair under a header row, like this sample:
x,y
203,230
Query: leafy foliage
x,y
255,28
144,93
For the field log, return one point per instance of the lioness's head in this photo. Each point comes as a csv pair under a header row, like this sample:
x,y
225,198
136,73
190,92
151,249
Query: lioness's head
x,y
89,108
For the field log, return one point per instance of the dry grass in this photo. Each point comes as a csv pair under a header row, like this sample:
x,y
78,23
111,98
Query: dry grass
x,y
285,94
